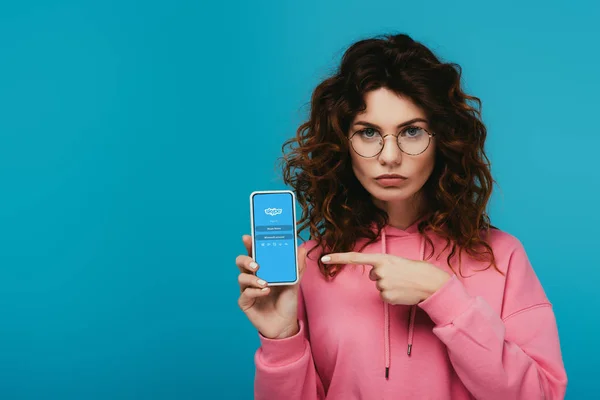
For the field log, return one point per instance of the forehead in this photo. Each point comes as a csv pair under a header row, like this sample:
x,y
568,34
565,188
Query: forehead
x,y
388,109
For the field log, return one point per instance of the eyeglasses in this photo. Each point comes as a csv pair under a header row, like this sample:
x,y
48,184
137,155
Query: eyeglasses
x,y
413,140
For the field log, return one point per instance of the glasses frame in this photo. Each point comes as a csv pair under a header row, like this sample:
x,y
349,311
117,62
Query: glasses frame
x,y
429,135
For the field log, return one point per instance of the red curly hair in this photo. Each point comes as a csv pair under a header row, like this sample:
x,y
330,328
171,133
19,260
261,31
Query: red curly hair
x,y
335,207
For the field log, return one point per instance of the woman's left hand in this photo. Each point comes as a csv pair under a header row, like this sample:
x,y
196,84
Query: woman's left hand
x,y
399,280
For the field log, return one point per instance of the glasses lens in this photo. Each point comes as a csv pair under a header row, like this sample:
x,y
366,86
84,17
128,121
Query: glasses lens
x,y
413,140
367,143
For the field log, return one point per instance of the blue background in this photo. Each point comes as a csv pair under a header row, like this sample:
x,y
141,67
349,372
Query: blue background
x,y
277,257
127,128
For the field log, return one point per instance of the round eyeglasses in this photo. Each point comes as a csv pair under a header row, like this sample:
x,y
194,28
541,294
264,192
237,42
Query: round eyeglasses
x,y
412,140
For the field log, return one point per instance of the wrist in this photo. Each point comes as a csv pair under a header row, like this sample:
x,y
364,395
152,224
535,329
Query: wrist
x,y
438,279
291,330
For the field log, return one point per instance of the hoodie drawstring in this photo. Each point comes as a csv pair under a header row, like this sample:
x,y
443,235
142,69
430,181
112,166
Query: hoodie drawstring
x,y
386,311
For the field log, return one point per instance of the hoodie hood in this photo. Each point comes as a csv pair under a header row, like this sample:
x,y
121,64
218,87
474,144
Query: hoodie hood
x,y
388,232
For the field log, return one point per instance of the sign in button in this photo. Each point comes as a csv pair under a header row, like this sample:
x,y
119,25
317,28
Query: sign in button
x,y
284,236
273,228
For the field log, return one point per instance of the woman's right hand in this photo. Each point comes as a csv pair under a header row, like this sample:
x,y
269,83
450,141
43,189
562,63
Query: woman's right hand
x,y
273,310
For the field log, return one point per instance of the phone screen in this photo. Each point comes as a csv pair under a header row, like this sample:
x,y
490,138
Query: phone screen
x,y
274,236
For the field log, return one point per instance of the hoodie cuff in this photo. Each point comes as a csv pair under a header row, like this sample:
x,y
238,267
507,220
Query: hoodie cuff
x,y
276,352
450,301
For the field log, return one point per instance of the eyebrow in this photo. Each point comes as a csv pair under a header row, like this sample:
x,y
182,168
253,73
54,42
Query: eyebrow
x,y
370,125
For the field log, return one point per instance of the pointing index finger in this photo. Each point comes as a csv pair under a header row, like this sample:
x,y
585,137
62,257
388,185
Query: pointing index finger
x,y
353,258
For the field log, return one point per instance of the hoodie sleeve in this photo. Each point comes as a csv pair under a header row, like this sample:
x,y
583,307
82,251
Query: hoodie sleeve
x,y
515,355
285,368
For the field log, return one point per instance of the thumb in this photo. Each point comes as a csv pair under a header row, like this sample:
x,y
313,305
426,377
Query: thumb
x,y
247,240
373,274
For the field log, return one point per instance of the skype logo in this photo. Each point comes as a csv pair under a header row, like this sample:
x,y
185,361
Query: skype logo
x,y
273,211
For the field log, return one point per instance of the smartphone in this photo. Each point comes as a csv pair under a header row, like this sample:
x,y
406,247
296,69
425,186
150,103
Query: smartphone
x,y
274,238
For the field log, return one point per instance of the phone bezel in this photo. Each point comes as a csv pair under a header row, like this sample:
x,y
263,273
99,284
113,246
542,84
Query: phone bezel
x,y
262,192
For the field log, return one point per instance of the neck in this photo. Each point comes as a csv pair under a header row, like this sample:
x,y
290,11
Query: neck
x,y
402,214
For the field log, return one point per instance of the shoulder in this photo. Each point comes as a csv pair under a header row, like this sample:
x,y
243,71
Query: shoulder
x,y
312,274
504,245
313,253
311,247
522,288
503,242
509,251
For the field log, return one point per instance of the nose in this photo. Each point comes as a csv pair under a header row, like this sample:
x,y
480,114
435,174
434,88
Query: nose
x,y
391,153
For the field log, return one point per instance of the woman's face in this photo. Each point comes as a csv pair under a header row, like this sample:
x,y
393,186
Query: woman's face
x,y
390,115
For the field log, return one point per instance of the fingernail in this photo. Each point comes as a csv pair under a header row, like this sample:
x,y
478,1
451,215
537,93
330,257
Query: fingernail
x,y
264,289
261,282
325,258
253,265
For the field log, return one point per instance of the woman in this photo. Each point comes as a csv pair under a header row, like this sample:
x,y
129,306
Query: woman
x,y
407,290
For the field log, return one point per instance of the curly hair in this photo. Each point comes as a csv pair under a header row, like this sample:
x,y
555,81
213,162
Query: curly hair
x,y
336,208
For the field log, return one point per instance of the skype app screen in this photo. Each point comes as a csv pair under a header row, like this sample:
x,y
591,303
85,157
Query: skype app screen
x,y
274,237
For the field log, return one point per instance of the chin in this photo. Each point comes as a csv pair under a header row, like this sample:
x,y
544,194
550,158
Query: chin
x,y
391,194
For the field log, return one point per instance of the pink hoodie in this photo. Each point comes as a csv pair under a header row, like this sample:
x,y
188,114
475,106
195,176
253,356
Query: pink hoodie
x,y
485,336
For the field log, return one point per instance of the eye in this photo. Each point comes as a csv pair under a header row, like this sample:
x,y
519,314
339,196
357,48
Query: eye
x,y
368,133
413,132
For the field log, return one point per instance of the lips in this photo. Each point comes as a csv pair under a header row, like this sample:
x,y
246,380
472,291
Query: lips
x,y
391,180
391,176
